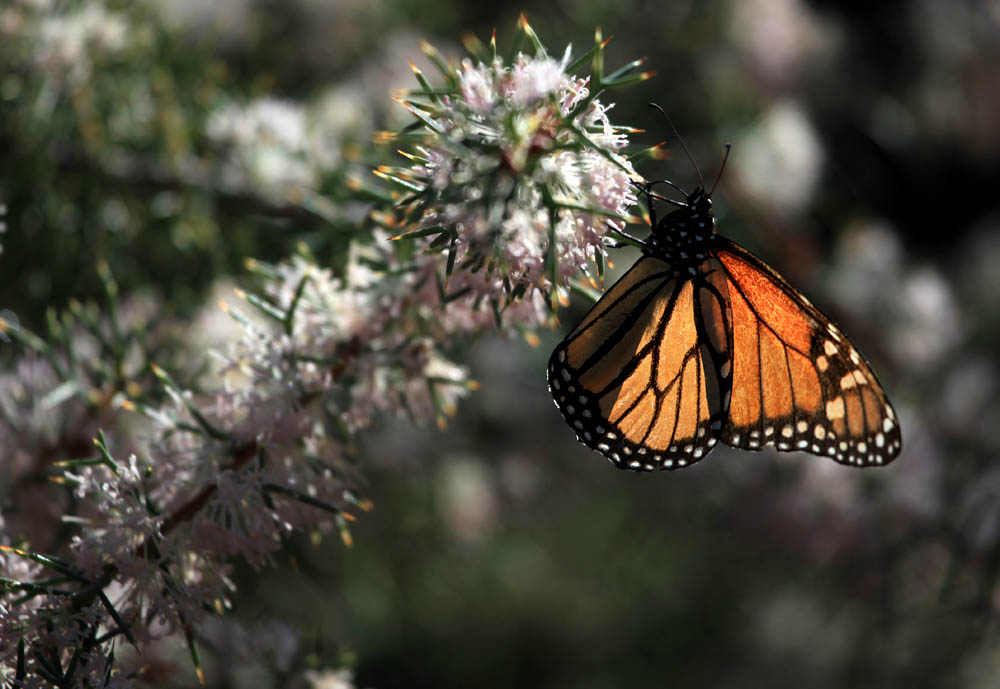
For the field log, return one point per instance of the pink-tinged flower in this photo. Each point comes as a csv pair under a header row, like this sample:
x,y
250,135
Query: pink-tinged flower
x,y
531,80
478,88
527,179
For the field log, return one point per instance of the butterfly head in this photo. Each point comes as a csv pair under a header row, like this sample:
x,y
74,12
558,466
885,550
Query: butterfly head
x,y
700,204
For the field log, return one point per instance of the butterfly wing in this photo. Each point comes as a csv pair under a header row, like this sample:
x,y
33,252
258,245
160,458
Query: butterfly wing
x,y
631,379
798,382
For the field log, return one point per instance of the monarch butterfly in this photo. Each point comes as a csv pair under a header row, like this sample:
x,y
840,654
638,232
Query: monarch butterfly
x,y
701,342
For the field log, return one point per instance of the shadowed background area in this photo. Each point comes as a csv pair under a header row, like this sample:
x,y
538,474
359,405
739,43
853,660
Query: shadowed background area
x,y
501,552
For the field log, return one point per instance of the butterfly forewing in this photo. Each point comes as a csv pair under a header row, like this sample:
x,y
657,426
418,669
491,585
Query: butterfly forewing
x,y
632,378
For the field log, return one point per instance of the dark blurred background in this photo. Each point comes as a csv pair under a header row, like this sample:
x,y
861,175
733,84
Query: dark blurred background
x,y
866,139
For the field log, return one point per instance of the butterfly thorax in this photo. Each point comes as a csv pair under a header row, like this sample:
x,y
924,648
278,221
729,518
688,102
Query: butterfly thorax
x,y
685,236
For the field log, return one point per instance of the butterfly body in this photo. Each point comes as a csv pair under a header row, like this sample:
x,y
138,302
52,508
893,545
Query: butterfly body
x,y
701,342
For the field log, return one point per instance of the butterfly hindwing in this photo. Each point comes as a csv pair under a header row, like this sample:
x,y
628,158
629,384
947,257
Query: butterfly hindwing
x,y
638,379
798,383
713,320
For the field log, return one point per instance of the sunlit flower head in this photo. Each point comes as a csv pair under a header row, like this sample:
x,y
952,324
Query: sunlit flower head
x,y
516,177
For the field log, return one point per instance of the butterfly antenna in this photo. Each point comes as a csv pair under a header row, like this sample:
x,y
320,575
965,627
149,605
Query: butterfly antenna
x,y
725,158
678,135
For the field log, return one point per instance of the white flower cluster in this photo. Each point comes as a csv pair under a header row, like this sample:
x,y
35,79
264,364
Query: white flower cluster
x,y
268,144
69,43
15,568
522,175
229,474
280,148
522,166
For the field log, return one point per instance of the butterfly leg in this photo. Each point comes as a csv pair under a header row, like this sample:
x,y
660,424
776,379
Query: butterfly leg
x,y
644,189
618,244
648,189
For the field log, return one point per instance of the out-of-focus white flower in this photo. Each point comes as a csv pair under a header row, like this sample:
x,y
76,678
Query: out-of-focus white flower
x,y
789,624
869,262
330,679
269,120
281,149
781,37
467,498
3,224
928,323
337,117
69,43
781,158
267,142
226,21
